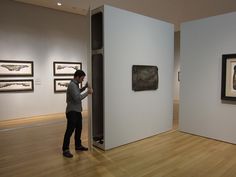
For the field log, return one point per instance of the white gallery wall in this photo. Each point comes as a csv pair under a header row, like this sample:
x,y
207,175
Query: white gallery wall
x,y
201,110
40,35
133,39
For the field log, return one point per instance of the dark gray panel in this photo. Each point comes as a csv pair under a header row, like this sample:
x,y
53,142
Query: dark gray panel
x,y
97,31
97,81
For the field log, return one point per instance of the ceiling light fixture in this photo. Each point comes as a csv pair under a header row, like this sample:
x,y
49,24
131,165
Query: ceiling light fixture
x,y
59,4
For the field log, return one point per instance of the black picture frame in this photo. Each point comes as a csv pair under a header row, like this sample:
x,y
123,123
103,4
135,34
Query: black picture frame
x,y
228,79
61,84
16,68
17,85
179,76
66,68
144,77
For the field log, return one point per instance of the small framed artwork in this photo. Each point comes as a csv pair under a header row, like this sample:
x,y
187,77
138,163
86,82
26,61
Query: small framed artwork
x,y
144,77
10,68
60,85
66,68
228,80
16,85
179,76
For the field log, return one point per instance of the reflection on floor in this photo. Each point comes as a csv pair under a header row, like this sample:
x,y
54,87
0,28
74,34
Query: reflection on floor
x,y
35,151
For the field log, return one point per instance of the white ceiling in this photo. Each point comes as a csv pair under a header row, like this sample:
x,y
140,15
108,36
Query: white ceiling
x,y
173,11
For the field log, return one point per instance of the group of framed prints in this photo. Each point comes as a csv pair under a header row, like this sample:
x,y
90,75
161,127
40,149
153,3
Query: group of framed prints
x,y
13,69
20,69
63,70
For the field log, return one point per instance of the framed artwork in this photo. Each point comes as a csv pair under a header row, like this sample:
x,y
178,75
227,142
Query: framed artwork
x,y
16,85
10,68
60,85
228,80
144,77
66,68
179,76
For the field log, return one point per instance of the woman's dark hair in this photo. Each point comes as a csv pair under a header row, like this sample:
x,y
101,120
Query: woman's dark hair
x,y
79,73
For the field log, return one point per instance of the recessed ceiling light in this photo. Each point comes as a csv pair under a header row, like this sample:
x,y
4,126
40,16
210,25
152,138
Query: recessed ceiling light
x,y
59,4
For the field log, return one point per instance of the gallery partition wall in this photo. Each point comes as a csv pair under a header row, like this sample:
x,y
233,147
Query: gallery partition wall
x,y
204,45
120,41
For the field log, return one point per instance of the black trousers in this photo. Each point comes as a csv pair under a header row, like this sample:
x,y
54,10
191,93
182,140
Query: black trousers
x,y
74,123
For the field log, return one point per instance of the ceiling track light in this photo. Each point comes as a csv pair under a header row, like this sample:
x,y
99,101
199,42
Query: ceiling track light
x,y
59,4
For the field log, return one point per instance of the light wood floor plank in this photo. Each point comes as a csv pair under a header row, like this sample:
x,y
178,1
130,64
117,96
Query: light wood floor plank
x,y
35,151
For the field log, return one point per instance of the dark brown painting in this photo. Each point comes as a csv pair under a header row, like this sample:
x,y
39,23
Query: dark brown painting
x,y
144,77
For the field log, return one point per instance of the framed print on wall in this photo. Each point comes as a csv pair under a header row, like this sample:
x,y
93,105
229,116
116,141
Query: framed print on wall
x,y
179,76
60,85
16,85
228,80
14,68
66,68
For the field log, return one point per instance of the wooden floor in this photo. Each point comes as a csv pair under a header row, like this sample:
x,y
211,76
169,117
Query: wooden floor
x,y
33,149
